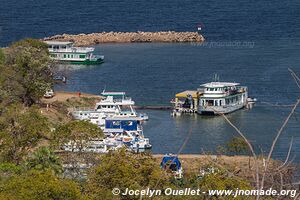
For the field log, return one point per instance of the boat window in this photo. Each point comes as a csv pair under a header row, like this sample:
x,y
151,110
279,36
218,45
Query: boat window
x,y
220,101
210,102
216,103
65,55
81,56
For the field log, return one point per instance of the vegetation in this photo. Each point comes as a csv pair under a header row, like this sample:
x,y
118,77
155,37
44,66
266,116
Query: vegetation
x,y
124,170
26,72
237,145
30,168
39,185
2,57
20,130
77,133
44,159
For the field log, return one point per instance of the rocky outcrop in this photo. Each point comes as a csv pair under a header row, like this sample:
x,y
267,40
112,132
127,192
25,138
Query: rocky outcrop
x,y
127,37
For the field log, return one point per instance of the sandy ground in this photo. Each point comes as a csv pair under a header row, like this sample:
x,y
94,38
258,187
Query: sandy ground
x,y
239,165
63,96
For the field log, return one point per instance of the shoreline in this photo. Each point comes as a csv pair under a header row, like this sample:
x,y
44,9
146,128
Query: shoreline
x,y
129,37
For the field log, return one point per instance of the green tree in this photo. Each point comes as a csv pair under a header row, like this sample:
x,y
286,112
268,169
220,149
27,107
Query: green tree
x,y
44,159
2,57
20,130
237,145
39,185
77,133
124,170
26,73
9,169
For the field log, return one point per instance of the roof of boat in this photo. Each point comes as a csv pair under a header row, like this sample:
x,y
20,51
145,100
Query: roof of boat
x,y
186,93
58,42
113,93
119,118
171,159
219,84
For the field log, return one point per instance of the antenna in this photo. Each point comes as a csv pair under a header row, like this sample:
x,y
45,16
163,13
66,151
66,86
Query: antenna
x,y
216,77
104,89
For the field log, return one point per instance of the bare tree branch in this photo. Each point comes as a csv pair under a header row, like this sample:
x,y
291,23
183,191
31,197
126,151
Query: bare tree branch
x,y
250,147
295,76
288,155
275,141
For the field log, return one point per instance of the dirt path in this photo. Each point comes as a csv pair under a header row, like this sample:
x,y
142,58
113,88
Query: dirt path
x,y
63,96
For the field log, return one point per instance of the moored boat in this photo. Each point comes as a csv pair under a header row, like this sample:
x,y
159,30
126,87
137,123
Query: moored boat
x,y
222,97
212,98
172,163
114,104
66,52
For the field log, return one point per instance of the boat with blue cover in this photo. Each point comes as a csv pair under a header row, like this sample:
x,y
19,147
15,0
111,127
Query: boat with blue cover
x,y
172,163
127,130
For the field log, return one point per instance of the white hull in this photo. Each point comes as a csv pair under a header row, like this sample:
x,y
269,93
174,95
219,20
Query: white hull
x,y
219,109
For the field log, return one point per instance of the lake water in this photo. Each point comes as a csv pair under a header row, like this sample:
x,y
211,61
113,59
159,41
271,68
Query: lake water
x,y
152,73
248,42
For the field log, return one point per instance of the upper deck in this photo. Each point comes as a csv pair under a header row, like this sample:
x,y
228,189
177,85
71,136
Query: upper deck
x,y
66,47
221,89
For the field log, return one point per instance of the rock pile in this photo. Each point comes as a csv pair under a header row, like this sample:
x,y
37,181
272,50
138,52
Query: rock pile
x,y
126,37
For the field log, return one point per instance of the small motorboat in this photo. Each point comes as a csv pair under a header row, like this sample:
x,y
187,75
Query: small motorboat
x,y
172,164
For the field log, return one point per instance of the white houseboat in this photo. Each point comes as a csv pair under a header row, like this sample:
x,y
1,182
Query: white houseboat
x,y
114,104
66,52
221,97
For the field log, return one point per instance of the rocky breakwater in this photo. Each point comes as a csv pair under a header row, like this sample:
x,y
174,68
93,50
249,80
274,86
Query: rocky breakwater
x,y
127,37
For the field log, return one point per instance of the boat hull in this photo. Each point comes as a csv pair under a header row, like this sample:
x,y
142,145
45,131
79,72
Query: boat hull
x,y
87,62
216,110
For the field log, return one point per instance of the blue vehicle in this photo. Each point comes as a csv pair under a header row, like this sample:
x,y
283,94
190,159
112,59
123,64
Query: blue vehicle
x,y
173,164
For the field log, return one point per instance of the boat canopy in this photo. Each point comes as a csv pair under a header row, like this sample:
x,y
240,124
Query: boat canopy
x,y
119,94
60,43
125,124
219,84
187,93
173,161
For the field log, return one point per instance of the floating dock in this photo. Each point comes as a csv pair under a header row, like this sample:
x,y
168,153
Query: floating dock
x,y
186,101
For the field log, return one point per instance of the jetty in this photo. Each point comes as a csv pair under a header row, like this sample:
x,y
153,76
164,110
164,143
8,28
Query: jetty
x,y
129,37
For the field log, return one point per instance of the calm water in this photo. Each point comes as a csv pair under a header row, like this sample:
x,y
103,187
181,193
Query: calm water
x,y
248,42
153,73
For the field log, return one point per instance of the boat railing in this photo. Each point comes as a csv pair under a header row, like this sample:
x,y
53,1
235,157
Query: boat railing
x,y
123,99
224,106
73,49
82,49
73,109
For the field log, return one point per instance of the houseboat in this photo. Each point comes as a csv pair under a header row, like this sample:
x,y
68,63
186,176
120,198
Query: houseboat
x,y
66,52
127,130
114,104
221,97
212,98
